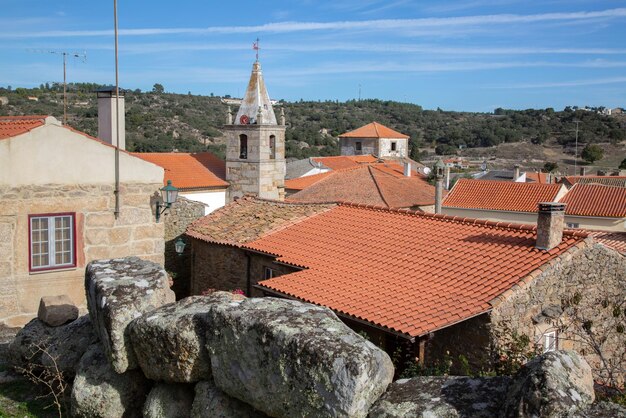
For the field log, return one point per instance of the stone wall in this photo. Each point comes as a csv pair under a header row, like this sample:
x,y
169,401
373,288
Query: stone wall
x,y
98,235
402,147
579,294
230,356
225,267
368,146
176,220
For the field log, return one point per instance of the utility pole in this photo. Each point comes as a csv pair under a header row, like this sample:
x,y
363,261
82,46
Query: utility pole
x,y
359,92
116,192
576,121
65,54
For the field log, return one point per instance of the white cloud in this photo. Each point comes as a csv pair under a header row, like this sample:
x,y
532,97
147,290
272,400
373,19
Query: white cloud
x,y
573,83
369,25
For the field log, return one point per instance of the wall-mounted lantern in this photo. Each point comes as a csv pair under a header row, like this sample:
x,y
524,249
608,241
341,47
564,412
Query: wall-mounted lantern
x,y
179,246
169,194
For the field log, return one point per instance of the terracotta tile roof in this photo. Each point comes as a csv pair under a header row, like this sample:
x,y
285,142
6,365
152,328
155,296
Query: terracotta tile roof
x,y
17,125
300,183
595,200
189,170
537,177
340,162
378,184
407,272
500,195
247,218
374,130
615,240
616,181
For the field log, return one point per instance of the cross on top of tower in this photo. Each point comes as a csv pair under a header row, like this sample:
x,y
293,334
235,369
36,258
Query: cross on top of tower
x,y
256,47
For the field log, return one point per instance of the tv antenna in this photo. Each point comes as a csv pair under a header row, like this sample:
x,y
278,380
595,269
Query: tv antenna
x,y
81,55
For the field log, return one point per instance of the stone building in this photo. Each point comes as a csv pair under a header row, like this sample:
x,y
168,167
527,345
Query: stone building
x,y
438,286
375,139
255,148
57,212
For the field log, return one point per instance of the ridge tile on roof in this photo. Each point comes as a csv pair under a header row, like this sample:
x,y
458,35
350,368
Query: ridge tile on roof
x,y
16,125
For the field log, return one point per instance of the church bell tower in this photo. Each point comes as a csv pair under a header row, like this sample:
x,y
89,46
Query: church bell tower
x,y
255,150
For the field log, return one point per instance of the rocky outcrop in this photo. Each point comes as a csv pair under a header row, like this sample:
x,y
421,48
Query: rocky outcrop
x,y
558,383
288,358
169,401
169,342
211,402
100,392
57,310
442,397
62,347
118,291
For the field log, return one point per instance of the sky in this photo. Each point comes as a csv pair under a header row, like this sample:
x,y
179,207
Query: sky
x,y
472,55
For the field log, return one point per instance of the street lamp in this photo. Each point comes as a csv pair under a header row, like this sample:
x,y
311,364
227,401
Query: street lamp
x,y
179,246
169,194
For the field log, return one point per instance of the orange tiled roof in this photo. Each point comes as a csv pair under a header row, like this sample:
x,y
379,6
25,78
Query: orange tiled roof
x,y
17,125
248,218
407,272
595,200
189,170
537,177
500,195
615,240
374,130
378,184
617,181
340,162
301,183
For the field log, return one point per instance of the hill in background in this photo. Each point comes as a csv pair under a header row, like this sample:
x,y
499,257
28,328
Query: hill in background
x,y
158,121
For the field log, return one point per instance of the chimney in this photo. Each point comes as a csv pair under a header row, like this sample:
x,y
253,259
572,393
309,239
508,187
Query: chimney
x,y
446,178
583,171
407,169
550,221
439,168
107,120
516,172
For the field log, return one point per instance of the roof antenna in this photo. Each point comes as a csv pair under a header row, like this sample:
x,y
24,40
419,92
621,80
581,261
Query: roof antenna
x,y
255,46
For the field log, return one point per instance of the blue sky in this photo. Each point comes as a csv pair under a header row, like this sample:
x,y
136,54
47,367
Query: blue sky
x,y
472,55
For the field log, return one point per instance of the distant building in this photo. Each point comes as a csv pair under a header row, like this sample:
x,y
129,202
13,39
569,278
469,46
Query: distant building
x,y
375,139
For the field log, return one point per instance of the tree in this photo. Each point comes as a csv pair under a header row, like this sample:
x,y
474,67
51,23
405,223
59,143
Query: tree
x,y
158,88
592,153
622,165
444,149
550,166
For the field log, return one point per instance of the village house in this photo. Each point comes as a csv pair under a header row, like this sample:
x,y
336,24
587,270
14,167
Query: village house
x,y
59,211
375,139
199,176
589,206
439,286
318,165
615,181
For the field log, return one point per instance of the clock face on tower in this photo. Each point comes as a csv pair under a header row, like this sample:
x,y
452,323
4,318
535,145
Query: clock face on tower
x,y
244,120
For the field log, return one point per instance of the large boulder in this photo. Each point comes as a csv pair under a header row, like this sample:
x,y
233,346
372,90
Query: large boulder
x,y
169,342
118,291
41,346
100,392
212,402
167,400
57,310
442,397
558,383
288,358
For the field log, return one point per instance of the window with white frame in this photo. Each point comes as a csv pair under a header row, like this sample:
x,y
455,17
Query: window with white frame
x,y
573,225
52,241
268,273
549,341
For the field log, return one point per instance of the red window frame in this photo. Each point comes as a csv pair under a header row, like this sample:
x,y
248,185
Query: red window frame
x,y
30,247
